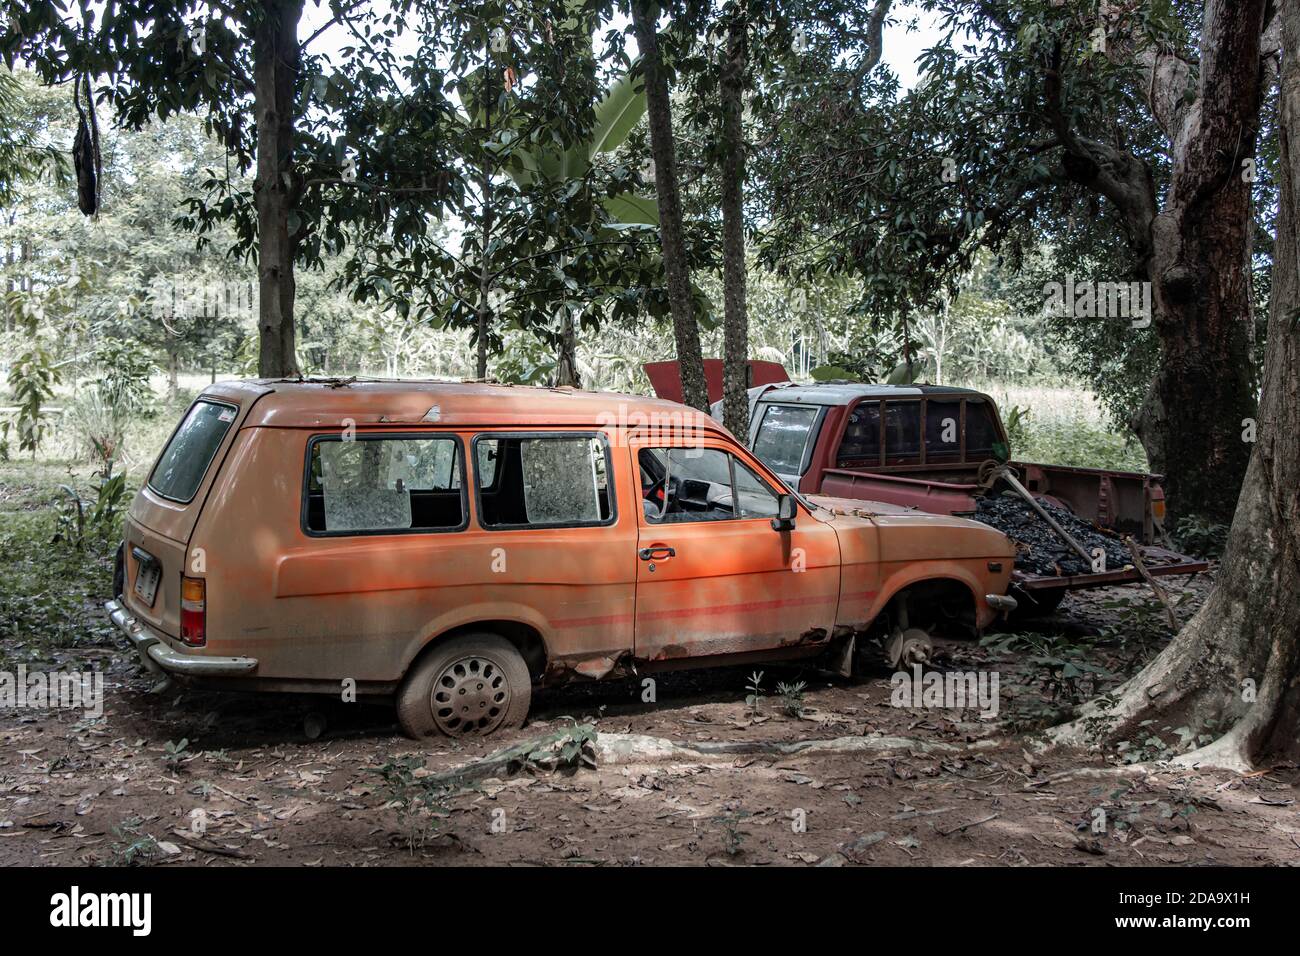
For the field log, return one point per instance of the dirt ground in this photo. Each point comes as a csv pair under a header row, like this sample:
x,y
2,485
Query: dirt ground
x,y
250,787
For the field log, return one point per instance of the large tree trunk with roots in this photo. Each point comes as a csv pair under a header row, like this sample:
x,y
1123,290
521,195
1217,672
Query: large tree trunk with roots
x,y
663,151
275,70
735,325
1234,671
1195,250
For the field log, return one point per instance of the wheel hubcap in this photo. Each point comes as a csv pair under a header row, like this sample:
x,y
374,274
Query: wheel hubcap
x,y
470,696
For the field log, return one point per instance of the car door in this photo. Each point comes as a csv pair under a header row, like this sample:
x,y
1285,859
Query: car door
x,y
713,575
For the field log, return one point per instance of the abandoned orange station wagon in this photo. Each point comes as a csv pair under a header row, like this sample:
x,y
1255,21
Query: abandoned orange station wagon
x,y
453,545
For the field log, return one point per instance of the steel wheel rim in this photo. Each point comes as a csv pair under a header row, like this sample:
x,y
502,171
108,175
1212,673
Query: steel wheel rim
x,y
470,696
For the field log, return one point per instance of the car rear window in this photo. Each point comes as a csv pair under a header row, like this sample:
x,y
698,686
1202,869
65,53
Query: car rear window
x,y
942,430
981,431
861,440
187,456
902,433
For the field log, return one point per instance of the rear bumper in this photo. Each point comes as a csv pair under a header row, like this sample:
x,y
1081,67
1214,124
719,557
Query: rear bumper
x,y
158,655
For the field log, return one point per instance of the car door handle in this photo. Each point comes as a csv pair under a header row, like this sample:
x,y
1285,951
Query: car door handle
x,y
657,553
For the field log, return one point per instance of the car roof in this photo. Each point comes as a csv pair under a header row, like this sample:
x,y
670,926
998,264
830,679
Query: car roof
x,y
843,393
328,403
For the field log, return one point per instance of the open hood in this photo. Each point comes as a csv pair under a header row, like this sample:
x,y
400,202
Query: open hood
x,y
666,379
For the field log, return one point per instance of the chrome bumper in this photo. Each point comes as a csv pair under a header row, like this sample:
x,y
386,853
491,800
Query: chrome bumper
x,y
160,656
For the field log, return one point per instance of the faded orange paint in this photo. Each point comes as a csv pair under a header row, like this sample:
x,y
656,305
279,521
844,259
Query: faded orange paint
x,y
363,606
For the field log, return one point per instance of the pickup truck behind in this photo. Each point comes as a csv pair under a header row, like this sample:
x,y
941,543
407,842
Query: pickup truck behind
x,y
937,449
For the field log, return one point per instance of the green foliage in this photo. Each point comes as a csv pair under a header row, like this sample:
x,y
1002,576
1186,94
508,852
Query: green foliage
x,y
791,697
132,847
420,807
98,521
175,753
124,368
52,596
1066,673
733,838
1196,535
1016,421
754,697
1077,442
31,379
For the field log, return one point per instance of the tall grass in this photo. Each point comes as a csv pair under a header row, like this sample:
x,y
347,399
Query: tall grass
x,y
1066,425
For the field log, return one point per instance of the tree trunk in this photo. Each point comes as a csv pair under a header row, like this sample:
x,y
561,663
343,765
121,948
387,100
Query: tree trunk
x,y
1233,673
566,370
484,275
173,367
735,328
275,69
1195,251
686,331
1201,287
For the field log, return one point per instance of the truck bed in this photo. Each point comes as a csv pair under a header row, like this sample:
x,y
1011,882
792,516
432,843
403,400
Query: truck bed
x,y
1108,505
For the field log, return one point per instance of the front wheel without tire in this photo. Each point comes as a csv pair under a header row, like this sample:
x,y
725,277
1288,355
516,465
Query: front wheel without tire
x,y
468,686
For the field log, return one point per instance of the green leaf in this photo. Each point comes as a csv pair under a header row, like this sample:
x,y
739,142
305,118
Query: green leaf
x,y
630,208
617,115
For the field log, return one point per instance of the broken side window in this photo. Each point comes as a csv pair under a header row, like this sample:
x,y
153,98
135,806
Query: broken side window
x,y
542,480
382,484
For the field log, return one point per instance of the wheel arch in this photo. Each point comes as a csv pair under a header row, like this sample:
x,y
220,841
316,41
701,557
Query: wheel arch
x,y
526,637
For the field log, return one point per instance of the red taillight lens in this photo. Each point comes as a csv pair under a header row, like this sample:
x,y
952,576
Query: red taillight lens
x,y
194,612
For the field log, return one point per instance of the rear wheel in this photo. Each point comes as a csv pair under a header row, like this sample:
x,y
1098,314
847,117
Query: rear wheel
x,y
468,686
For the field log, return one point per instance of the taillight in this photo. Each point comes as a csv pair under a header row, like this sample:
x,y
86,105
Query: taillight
x,y
194,612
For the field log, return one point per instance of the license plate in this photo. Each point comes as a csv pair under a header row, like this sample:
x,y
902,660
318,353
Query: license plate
x,y
147,574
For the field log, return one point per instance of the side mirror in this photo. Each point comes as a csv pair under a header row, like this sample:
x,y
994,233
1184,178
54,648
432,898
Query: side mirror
x,y
785,512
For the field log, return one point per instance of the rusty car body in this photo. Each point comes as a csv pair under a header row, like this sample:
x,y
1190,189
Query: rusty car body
x,y
451,545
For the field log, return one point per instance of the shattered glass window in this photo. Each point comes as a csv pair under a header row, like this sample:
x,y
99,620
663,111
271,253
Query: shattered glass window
x,y
537,481
385,484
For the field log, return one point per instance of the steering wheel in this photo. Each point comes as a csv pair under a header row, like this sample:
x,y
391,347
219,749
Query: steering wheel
x,y
654,490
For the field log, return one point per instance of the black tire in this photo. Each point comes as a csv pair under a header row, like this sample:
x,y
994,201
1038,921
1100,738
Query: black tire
x,y
467,686
1035,604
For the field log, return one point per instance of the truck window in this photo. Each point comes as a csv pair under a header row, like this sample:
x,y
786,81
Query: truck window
x,y
702,484
861,442
380,484
193,445
902,433
544,481
942,430
783,435
981,430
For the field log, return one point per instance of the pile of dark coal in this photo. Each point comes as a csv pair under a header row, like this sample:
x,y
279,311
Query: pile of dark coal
x,y
1039,549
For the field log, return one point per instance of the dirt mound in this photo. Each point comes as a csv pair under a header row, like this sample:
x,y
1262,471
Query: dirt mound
x,y
1039,549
